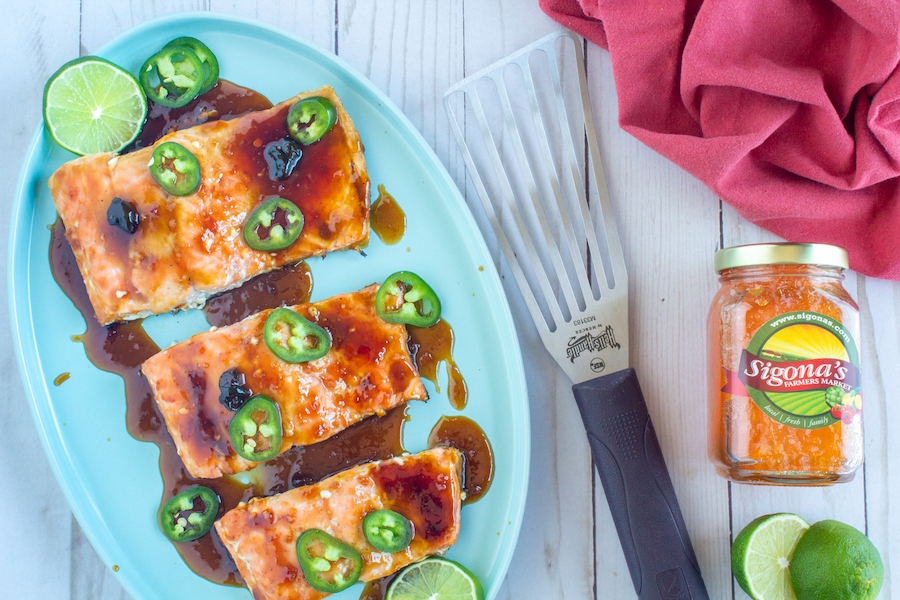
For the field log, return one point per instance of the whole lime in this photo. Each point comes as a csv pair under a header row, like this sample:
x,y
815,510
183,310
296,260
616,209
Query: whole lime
x,y
834,561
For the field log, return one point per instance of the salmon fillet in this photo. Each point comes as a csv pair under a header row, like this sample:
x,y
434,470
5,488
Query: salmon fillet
x,y
188,248
367,371
262,534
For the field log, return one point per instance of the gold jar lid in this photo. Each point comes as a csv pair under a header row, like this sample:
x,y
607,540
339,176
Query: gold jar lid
x,y
781,254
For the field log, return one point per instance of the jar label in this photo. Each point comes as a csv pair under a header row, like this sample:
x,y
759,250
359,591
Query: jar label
x,y
802,370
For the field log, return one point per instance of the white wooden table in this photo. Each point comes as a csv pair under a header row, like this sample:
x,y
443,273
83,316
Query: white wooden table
x,y
670,226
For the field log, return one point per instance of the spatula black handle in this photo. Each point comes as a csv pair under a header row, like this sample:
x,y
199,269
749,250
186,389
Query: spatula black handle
x,y
638,488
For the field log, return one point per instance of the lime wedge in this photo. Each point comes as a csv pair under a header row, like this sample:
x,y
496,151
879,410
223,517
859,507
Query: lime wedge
x,y
92,105
762,553
435,579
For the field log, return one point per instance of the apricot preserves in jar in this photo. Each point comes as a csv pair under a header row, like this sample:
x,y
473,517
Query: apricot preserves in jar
x,y
785,405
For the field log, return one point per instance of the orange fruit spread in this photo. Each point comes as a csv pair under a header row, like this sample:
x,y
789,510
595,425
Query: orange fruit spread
x,y
746,443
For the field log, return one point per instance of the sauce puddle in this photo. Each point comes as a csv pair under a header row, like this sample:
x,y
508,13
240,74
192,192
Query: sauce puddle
x,y
465,435
388,219
429,347
292,284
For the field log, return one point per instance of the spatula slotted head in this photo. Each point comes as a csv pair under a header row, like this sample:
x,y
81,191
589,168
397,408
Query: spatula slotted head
x,y
533,158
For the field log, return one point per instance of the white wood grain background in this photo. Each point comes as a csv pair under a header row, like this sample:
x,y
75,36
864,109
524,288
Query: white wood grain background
x,y
670,226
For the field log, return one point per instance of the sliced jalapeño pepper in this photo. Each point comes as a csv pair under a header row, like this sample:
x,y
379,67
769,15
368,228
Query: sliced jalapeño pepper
x,y
173,76
328,564
206,56
275,225
175,169
387,530
255,430
405,298
190,514
310,119
294,338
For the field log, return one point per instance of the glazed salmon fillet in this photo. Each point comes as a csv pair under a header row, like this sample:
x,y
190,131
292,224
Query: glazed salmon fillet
x,y
367,371
190,247
262,534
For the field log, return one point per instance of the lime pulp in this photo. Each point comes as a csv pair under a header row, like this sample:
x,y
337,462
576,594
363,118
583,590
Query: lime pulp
x,y
92,106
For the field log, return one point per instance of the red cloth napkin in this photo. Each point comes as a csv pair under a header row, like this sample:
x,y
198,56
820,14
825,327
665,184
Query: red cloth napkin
x,y
789,110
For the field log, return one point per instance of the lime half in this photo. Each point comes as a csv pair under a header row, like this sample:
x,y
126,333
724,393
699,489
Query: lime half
x,y
92,105
762,553
435,579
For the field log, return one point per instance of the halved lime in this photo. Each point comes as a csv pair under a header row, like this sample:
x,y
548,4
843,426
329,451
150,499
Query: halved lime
x,y
92,105
762,553
435,579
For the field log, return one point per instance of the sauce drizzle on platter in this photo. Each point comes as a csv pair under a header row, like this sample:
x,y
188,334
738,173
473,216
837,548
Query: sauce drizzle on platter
x,y
465,435
429,347
388,219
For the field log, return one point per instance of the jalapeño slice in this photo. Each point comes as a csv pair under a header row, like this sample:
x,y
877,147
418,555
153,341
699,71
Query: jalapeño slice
x,y
173,76
405,298
294,338
275,225
310,119
190,514
328,564
387,530
206,56
175,169
255,430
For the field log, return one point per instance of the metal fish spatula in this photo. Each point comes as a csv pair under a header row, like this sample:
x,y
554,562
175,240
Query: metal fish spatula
x,y
541,172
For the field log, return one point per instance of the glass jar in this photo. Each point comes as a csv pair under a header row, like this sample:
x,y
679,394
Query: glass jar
x,y
783,367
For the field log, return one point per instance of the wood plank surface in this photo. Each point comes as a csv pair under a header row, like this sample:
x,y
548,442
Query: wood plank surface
x,y
37,526
670,226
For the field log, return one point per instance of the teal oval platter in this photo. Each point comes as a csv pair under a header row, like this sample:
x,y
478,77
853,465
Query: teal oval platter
x,y
111,480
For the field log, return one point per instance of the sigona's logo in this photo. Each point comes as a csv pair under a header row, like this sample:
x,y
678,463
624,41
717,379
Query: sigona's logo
x,y
802,370
597,364
591,343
